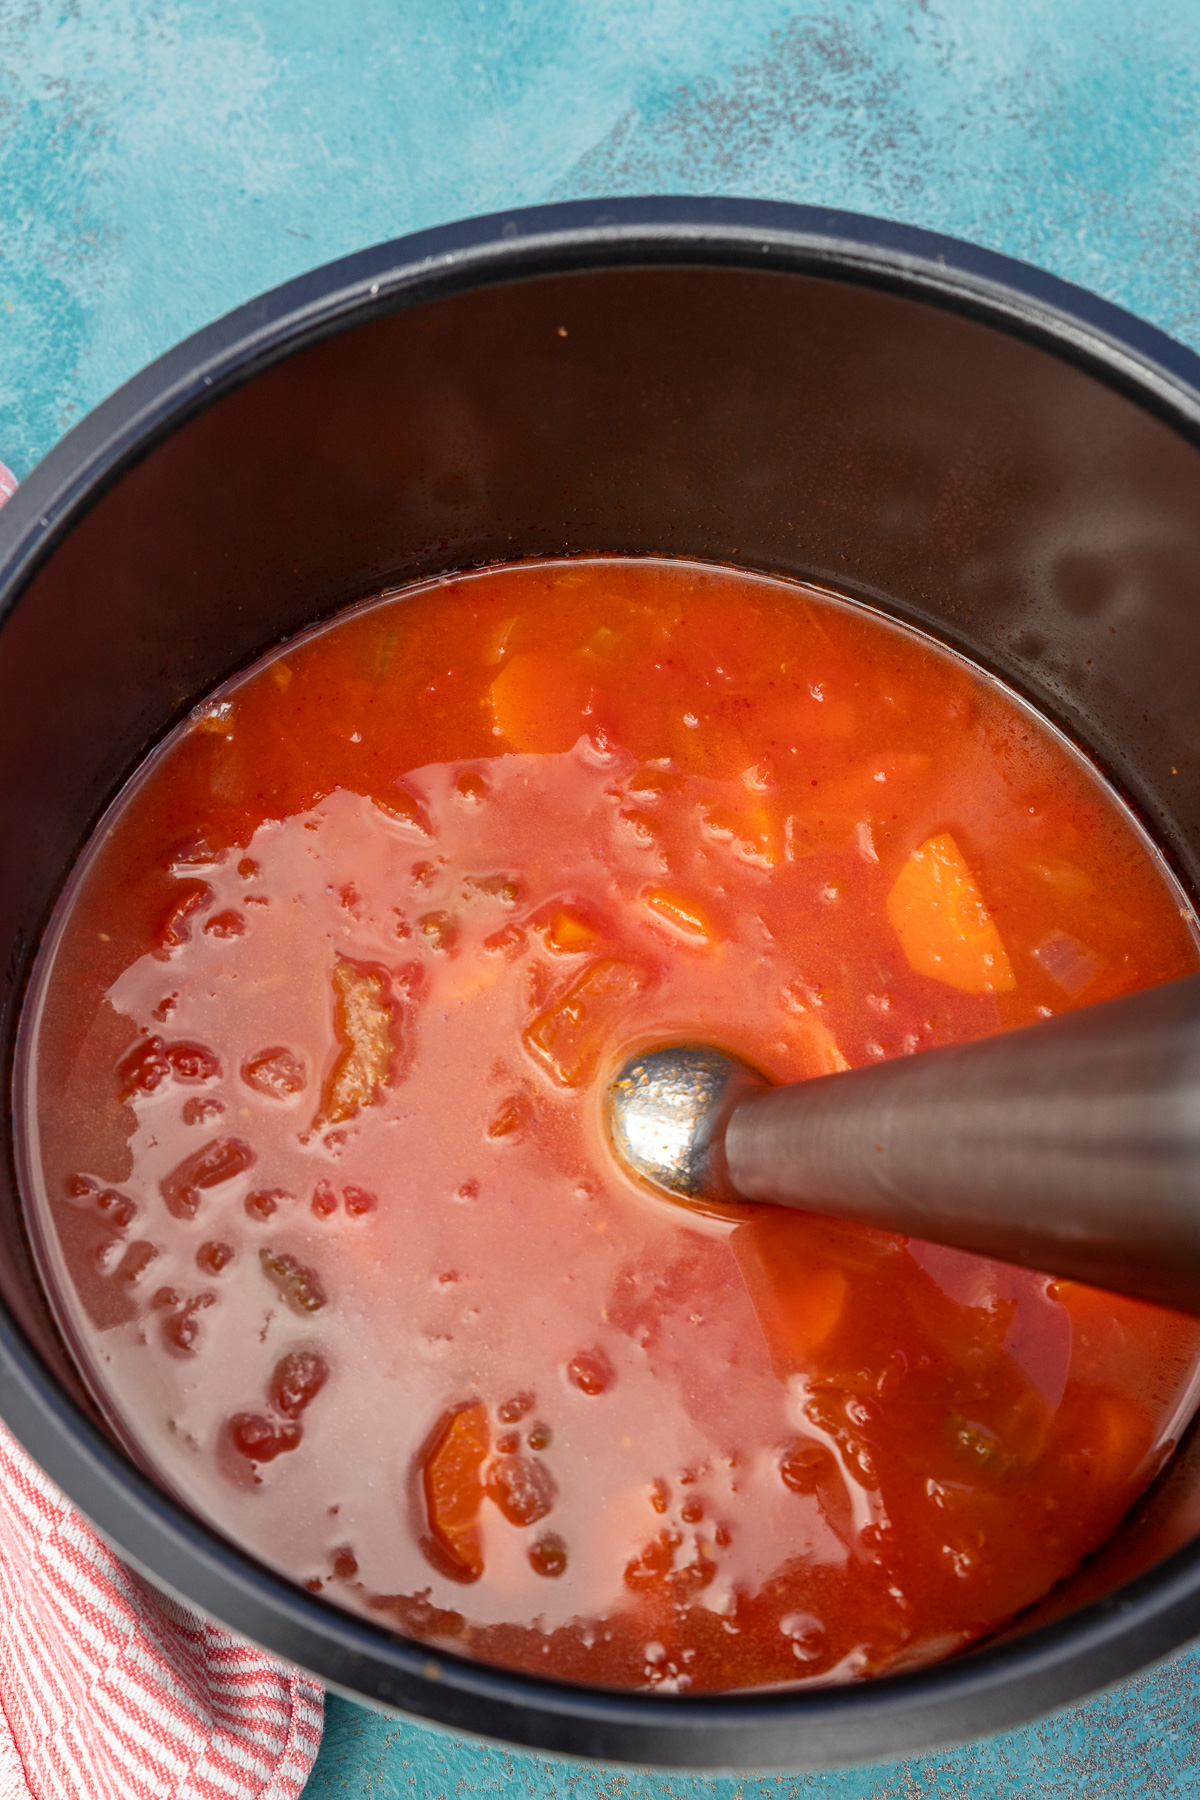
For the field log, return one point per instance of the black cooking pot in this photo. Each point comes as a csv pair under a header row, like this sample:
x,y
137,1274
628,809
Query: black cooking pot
x,y
960,440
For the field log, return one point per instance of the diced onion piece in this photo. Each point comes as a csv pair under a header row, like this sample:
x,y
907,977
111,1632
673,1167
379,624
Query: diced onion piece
x,y
944,927
812,1040
1070,964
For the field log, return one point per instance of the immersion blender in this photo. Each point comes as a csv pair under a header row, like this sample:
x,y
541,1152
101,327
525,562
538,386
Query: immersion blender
x,y
1071,1146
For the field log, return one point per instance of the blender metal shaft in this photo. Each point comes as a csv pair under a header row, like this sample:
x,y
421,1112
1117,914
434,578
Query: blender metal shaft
x,y
1071,1146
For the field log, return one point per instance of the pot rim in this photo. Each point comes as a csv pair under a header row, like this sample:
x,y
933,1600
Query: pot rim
x,y
1003,1683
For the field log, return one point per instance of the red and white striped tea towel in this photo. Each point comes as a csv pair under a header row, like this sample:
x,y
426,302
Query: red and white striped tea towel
x,y
110,1691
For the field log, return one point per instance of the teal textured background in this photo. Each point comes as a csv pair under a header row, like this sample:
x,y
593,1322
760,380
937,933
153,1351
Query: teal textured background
x,y
1138,1742
160,163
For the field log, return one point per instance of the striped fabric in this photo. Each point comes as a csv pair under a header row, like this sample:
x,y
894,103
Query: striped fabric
x,y
110,1691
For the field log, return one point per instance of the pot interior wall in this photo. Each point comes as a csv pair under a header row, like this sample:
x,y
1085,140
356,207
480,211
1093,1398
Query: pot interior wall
x,y
955,475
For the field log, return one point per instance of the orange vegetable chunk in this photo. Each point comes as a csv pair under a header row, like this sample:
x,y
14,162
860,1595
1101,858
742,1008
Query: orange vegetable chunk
x,y
569,932
567,1038
537,701
750,834
684,917
945,929
798,1298
454,1486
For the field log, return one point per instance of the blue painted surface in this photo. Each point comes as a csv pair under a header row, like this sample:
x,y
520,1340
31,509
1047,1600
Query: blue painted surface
x,y
160,163
1139,1740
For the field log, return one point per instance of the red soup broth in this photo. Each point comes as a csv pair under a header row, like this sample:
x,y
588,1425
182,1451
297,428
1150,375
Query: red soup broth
x,y
313,1147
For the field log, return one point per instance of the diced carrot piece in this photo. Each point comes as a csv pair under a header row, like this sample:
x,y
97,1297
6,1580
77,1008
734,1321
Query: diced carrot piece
x,y
945,930
568,932
1025,1425
537,701
797,1298
749,829
567,1038
454,1486
684,917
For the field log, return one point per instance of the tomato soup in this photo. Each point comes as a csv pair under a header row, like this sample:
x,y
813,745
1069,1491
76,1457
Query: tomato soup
x,y
312,1139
